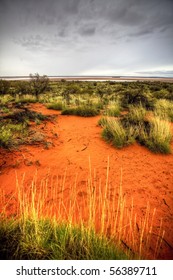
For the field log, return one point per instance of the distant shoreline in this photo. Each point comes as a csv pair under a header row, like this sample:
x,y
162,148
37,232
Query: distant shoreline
x,y
94,78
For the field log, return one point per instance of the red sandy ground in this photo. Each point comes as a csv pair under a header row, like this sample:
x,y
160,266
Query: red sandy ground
x,y
146,177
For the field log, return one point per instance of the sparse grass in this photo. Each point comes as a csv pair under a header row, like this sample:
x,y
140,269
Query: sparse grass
x,y
81,111
49,224
115,133
157,137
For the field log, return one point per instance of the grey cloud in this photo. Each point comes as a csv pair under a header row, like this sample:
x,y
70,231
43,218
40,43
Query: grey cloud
x,y
31,41
87,30
126,16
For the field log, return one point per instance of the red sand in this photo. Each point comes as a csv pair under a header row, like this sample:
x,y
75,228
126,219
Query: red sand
x,y
146,177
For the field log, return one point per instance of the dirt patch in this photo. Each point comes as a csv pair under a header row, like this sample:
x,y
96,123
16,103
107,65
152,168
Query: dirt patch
x,y
74,147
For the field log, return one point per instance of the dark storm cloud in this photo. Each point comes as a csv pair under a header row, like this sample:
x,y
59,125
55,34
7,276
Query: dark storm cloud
x,y
146,16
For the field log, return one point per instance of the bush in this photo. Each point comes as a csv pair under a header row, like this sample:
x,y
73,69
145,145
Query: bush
x,y
5,136
20,88
137,97
81,111
24,116
9,133
38,84
4,87
56,106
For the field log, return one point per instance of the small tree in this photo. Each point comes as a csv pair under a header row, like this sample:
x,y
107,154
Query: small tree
x,y
38,84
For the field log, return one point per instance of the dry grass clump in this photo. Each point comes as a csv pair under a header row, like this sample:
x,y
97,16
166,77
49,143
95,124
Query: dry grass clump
x,y
115,133
164,109
158,135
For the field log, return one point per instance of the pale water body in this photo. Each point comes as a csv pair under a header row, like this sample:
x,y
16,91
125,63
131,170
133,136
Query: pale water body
x,y
68,79
91,79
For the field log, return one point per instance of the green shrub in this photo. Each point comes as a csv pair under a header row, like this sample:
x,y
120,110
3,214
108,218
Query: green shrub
x,y
10,134
5,110
56,106
137,97
4,87
38,84
81,111
24,116
6,136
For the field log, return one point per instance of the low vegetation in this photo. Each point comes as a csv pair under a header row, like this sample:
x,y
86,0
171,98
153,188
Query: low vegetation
x,y
83,111
158,136
131,104
115,133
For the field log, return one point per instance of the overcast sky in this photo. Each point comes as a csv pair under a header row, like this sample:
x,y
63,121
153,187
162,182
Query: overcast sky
x,y
86,37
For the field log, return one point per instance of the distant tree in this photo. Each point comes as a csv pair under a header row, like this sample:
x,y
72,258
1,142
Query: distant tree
x,y
4,87
38,84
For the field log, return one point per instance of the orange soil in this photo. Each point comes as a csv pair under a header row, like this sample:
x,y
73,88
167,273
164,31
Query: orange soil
x,y
146,177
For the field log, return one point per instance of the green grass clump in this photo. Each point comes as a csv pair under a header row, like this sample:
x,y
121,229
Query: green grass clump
x,y
114,109
103,121
6,135
46,240
10,134
5,110
136,114
115,133
157,137
81,111
164,109
56,106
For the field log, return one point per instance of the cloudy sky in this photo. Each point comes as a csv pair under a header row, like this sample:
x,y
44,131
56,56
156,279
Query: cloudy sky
x,y
86,37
